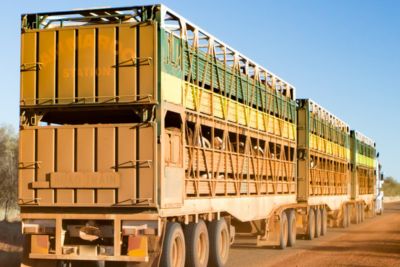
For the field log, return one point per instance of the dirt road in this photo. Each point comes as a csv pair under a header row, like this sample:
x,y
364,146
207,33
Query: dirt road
x,y
375,242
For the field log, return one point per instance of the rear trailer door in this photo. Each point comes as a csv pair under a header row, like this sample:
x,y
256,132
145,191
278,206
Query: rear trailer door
x,y
88,165
114,63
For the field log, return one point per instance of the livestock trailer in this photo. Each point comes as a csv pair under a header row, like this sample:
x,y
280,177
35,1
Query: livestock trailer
x,y
144,139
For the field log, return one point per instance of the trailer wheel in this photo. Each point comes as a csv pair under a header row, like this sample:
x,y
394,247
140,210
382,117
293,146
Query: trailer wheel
x,y
311,224
284,229
173,253
197,244
345,222
292,228
120,264
219,243
318,222
380,211
324,225
83,263
355,218
348,216
64,264
358,213
362,213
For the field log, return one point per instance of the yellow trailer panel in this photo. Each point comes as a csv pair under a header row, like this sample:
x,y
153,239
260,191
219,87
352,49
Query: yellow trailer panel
x,y
66,66
127,75
106,62
29,66
86,64
89,64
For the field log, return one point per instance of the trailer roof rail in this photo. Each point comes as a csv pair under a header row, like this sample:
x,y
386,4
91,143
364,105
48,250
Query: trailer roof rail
x,y
202,40
363,138
326,115
196,37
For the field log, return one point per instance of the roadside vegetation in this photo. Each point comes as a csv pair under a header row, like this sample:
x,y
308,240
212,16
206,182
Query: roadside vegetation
x,y
9,209
391,187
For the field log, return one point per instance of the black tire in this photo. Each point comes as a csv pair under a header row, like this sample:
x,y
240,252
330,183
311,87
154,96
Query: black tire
x,y
219,243
118,264
345,222
85,264
358,211
283,235
292,230
324,224
356,218
64,264
362,213
310,225
318,222
380,212
197,244
173,251
348,216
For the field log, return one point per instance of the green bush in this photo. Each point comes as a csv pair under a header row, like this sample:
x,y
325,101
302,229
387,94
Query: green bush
x,y
391,187
8,174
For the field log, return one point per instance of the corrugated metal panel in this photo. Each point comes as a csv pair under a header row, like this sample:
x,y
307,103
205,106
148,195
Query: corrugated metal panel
x,y
85,149
65,149
26,173
86,64
106,65
66,66
147,53
65,161
47,52
103,158
126,70
45,153
147,137
85,161
106,148
126,152
28,68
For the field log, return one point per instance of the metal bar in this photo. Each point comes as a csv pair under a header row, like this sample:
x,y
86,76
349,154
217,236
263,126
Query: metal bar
x,y
87,258
84,100
26,165
137,61
31,66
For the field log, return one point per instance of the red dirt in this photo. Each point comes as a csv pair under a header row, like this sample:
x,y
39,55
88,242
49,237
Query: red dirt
x,y
375,242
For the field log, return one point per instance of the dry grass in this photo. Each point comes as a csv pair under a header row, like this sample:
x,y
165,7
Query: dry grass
x,y
391,187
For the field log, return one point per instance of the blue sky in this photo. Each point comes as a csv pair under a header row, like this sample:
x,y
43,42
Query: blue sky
x,y
343,54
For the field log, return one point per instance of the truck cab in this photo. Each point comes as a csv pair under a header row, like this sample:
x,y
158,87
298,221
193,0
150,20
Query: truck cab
x,y
379,189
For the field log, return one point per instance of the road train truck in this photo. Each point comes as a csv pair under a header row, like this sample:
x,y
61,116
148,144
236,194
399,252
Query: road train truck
x,y
144,139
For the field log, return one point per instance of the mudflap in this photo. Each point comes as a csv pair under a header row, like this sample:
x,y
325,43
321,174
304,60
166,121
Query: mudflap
x,y
272,232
